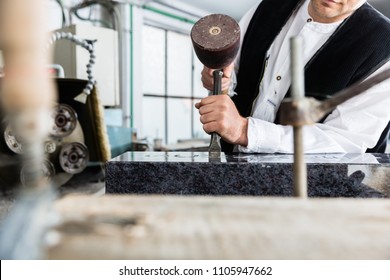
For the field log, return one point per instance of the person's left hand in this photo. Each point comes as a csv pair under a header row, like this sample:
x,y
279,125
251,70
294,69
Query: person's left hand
x,y
208,78
219,114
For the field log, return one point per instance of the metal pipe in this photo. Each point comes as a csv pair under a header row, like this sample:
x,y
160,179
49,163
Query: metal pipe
x,y
309,110
298,93
345,94
299,167
164,13
131,66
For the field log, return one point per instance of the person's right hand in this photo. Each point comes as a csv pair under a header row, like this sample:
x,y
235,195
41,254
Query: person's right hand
x,y
208,80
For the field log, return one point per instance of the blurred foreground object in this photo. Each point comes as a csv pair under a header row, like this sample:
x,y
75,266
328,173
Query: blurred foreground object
x,y
27,98
203,227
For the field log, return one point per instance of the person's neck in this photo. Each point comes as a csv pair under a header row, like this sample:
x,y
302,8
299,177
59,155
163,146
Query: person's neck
x,y
318,17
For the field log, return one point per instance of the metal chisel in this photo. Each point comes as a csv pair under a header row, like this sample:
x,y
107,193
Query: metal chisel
x,y
215,143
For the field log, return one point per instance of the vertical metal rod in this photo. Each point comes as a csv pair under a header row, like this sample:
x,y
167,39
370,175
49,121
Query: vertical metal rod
x,y
298,92
300,172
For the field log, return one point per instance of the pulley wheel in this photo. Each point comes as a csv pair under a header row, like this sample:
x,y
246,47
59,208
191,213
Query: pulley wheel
x,y
65,121
74,157
12,141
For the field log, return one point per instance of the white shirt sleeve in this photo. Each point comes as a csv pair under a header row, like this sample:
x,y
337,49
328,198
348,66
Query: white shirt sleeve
x,y
352,127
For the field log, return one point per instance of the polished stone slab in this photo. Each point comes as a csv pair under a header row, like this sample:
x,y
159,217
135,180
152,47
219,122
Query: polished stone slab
x,y
194,173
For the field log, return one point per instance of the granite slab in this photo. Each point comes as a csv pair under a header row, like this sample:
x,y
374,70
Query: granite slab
x,y
194,173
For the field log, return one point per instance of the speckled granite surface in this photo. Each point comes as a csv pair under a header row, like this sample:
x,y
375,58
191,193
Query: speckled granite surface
x,y
187,173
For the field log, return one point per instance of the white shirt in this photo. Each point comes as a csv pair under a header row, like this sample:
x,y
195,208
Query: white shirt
x,y
352,127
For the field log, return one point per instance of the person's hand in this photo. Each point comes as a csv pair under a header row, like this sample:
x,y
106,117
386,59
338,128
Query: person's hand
x,y
208,81
219,114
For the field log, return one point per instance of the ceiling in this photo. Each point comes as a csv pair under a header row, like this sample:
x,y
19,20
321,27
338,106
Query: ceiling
x,y
233,8
237,8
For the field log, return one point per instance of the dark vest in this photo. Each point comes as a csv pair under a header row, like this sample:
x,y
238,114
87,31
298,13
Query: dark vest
x,y
359,46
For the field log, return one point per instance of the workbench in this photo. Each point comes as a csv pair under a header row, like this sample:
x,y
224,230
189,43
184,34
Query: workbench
x,y
182,227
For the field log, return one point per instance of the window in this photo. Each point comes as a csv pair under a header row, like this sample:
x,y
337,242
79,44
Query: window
x,y
171,86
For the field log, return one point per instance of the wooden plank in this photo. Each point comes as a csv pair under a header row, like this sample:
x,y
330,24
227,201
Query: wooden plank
x,y
173,227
